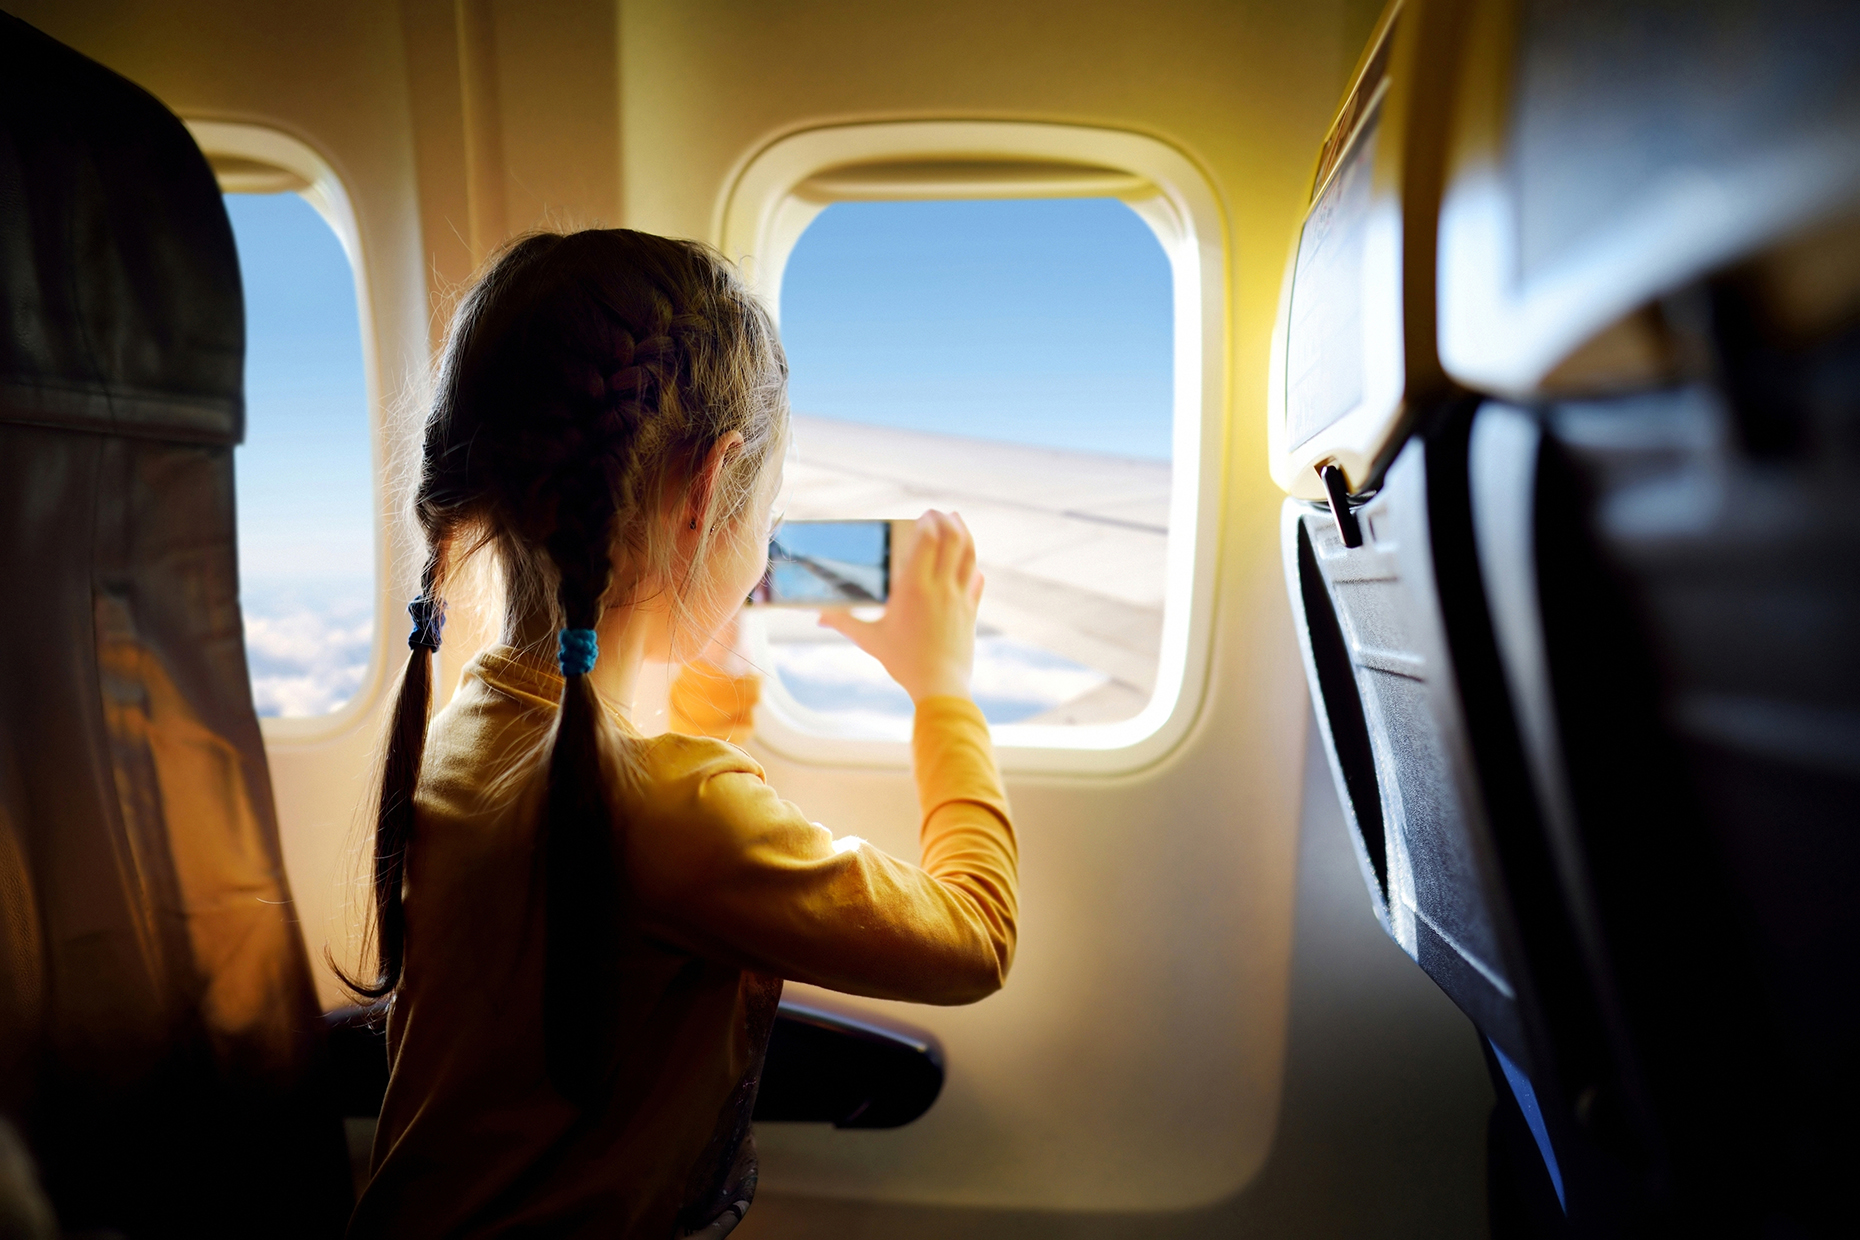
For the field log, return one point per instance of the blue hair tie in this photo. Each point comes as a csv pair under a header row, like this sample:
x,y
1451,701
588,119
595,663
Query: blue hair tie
x,y
577,649
429,621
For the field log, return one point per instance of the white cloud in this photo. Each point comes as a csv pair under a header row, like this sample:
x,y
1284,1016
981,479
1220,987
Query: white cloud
x,y
298,697
305,637
307,649
1013,680
1006,668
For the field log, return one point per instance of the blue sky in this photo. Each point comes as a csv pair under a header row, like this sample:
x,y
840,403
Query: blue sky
x,y
303,474
1045,321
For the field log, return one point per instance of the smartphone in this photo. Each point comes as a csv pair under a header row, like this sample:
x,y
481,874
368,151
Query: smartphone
x,y
827,564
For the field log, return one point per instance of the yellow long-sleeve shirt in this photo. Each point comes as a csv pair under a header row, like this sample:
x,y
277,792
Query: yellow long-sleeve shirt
x,y
734,889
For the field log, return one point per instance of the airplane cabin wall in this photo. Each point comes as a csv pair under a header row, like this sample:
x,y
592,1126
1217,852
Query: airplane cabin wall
x,y
1135,1064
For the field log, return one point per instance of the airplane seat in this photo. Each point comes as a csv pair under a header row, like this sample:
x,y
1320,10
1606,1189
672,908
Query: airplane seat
x,y
1669,554
160,1041
1414,710
1370,438
1672,576
1577,617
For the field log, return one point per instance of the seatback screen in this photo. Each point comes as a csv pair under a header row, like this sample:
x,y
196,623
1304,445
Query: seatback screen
x,y
1324,339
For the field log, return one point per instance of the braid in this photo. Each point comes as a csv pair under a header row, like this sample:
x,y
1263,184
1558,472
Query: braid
x,y
594,484
400,777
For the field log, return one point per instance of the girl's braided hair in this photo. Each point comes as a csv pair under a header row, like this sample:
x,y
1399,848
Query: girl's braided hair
x,y
585,379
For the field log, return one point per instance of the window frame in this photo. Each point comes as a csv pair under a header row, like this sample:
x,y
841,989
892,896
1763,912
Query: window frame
x,y
775,192
269,153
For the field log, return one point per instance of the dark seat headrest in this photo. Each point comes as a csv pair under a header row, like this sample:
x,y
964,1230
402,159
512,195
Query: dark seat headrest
x,y
120,303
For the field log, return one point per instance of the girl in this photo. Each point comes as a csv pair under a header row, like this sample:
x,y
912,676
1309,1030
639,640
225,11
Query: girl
x,y
585,931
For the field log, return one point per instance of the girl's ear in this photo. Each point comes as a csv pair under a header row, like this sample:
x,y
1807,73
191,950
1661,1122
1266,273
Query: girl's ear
x,y
709,474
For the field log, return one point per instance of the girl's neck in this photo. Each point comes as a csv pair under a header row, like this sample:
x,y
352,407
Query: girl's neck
x,y
625,634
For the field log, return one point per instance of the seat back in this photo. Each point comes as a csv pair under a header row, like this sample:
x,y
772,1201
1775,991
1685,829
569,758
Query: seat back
x,y
159,1035
1584,658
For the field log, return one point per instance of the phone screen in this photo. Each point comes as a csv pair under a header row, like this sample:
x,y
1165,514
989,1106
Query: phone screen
x,y
827,564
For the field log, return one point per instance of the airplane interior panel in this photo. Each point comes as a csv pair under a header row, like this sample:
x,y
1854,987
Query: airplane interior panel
x,y
1348,728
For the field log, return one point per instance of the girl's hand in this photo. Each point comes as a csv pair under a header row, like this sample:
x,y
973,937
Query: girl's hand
x,y
926,638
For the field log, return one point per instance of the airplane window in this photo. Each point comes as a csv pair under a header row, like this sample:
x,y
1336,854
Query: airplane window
x,y
1011,360
306,536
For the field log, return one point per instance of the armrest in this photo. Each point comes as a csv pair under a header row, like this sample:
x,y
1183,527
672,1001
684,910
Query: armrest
x,y
824,1067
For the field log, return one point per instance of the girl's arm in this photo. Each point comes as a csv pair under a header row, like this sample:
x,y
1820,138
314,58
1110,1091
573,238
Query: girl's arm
x,y
736,872
726,869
